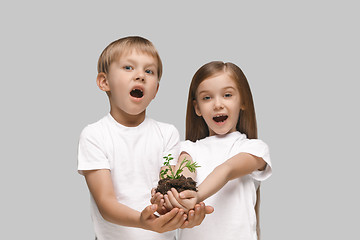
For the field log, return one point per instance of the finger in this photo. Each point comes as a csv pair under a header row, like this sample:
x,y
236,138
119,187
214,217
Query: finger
x,y
158,198
187,194
167,203
153,192
148,211
185,225
180,201
173,200
163,219
208,209
189,223
175,193
199,215
153,197
176,222
191,215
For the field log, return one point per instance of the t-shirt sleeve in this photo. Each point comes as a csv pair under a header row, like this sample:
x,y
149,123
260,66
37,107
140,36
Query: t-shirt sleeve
x,y
91,154
188,147
260,149
172,144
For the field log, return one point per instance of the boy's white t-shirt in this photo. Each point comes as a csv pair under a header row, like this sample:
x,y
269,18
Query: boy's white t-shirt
x,y
134,155
234,215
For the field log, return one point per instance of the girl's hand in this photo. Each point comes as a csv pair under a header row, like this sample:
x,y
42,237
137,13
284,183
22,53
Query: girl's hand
x,y
197,215
185,200
158,199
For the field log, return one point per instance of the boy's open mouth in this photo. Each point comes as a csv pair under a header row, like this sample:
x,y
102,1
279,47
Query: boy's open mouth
x,y
220,118
137,93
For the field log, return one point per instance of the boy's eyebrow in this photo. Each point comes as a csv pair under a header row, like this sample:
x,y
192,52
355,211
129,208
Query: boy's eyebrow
x,y
132,61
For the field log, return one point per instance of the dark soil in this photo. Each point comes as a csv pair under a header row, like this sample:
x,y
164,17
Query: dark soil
x,y
181,184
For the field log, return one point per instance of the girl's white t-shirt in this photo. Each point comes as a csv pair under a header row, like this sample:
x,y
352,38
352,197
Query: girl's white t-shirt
x,y
134,155
234,216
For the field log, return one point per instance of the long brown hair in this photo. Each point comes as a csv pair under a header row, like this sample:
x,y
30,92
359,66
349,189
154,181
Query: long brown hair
x,y
196,127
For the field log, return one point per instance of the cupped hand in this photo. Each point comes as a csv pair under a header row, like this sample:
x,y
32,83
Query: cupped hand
x,y
167,222
158,199
197,215
185,200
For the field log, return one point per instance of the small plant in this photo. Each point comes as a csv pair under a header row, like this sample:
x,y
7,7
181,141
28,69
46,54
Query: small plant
x,y
184,164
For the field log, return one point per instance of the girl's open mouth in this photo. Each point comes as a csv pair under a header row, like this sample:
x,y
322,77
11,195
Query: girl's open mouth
x,y
220,118
137,93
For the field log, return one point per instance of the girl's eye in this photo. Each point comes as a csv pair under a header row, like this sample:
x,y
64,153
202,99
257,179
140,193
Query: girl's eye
x,y
128,68
228,95
149,71
206,98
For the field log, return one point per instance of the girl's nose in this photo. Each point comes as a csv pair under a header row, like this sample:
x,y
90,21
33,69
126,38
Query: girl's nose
x,y
218,104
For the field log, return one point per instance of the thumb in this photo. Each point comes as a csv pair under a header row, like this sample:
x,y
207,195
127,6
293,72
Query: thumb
x,y
208,209
152,191
187,194
148,211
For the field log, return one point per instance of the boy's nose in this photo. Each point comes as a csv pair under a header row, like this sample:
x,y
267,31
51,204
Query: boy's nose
x,y
140,76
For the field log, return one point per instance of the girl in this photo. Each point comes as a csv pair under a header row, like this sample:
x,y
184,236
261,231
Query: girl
x,y
221,137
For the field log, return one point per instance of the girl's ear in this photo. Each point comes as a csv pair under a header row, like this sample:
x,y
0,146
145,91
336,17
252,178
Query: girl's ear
x,y
197,109
102,82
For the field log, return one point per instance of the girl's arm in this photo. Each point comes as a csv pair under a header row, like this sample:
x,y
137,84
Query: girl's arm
x,y
235,167
101,188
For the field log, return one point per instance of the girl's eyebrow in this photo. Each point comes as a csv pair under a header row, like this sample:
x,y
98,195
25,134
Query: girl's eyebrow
x,y
229,87
203,92
224,89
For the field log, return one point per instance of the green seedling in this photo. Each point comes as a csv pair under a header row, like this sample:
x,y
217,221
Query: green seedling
x,y
184,164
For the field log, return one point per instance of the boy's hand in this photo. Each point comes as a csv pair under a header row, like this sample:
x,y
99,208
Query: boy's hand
x,y
185,200
168,222
158,199
197,215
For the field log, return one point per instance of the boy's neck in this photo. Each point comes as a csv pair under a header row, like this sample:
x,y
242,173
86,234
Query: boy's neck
x,y
128,120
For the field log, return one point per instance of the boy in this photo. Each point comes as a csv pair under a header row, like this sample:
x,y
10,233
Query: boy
x,y
121,155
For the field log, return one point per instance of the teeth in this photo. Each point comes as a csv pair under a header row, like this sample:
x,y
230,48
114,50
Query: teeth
x,y
220,118
137,93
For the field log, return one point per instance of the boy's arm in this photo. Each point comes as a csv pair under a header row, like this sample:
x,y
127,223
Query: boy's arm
x,y
235,167
101,188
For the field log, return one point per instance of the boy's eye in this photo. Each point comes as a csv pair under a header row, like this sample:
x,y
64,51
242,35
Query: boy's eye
x,y
228,95
149,71
128,68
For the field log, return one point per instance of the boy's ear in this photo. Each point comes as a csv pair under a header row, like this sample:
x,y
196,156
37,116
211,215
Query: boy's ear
x,y
102,82
197,109
157,89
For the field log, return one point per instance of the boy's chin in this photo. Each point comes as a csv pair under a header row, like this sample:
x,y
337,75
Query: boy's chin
x,y
136,112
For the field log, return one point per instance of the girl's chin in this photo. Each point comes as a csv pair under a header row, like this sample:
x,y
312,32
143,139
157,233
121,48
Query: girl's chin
x,y
220,132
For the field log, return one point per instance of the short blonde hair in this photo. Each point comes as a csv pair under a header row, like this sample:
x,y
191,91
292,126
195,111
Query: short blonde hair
x,y
125,45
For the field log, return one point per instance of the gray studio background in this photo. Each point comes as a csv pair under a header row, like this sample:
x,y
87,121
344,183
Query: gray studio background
x,y
300,57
